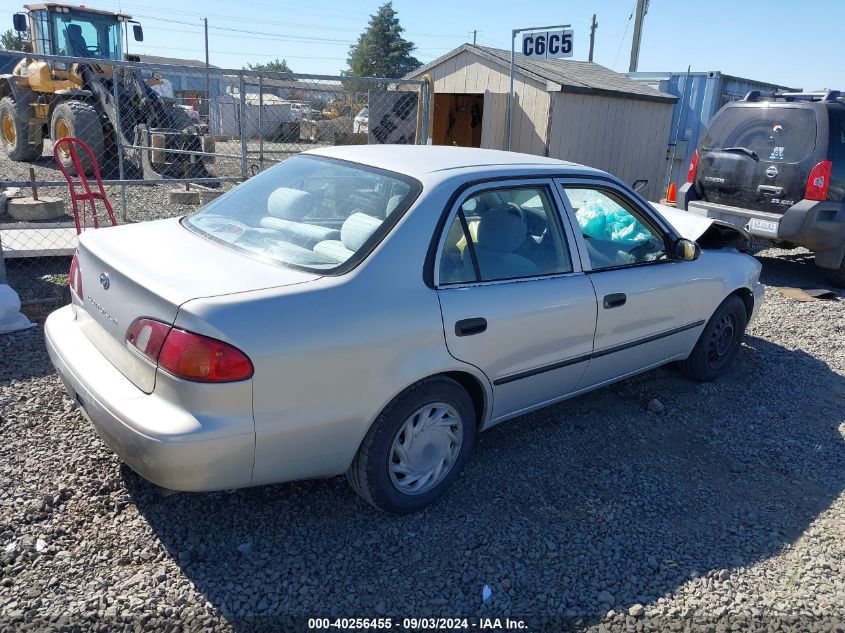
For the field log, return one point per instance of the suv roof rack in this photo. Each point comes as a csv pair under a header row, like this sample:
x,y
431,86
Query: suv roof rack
x,y
828,95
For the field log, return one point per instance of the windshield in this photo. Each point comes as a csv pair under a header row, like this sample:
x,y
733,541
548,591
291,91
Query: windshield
x,y
309,212
774,134
82,34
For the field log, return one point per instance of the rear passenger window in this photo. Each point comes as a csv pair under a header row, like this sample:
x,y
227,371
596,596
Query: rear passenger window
x,y
837,134
507,233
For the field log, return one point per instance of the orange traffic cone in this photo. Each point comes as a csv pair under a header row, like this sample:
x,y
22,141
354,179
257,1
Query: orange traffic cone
x,y
670,194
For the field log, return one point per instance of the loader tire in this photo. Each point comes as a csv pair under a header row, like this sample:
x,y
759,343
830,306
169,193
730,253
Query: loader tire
x,y
79,120
13,131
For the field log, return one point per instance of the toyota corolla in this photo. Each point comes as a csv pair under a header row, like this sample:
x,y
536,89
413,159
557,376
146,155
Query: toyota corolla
x,y
368,310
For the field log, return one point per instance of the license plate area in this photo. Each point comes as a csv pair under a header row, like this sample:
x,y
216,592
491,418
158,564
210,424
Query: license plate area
x,y
769,227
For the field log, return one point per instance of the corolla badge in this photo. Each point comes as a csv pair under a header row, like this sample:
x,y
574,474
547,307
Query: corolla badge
x,y
105,282
772,171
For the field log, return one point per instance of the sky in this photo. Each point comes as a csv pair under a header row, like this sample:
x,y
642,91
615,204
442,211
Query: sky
x,y
784,42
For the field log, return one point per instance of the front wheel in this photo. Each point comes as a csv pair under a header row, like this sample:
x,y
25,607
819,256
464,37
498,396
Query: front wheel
x,y
78,119
14,132
416,448
719,342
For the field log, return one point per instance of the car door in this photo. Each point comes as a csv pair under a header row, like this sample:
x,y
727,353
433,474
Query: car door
x,y
651,306
515,302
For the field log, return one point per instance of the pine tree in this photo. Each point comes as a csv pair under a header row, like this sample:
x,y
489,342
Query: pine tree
x,y
12,41
381,51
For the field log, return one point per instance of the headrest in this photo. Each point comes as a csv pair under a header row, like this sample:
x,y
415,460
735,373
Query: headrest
x,y
357,229
74,30
501,230
288,204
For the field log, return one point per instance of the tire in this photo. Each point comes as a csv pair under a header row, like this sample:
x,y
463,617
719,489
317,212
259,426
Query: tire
x,y
836,276
719,342
14,134
373,471
179,119
79,120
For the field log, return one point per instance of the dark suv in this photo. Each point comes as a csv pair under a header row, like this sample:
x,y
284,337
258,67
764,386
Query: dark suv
x,y
775,165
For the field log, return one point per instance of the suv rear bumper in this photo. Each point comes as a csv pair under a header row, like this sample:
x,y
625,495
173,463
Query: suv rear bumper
x,y
818,226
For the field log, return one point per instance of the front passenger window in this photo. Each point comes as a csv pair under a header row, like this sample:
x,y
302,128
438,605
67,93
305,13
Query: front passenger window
x,y
507,233
614,233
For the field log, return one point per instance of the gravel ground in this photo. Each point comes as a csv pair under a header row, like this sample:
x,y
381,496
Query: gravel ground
x,y
719,507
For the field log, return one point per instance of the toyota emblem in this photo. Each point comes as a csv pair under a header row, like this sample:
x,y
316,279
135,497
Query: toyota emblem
x,y
772,171
105,282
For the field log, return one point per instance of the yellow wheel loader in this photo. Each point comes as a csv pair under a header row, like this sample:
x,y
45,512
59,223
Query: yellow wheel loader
x,y
53,99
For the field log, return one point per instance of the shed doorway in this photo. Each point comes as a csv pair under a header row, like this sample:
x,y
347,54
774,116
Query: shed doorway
x,y
458,119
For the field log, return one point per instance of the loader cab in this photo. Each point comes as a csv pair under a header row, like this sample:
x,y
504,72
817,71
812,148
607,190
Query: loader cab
x,y
58,29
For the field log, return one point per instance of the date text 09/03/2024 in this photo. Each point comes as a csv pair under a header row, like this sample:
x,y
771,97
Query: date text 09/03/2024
x,y
417,624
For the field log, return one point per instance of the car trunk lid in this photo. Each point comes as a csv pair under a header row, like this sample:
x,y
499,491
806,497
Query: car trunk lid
x,y
149,270
757,157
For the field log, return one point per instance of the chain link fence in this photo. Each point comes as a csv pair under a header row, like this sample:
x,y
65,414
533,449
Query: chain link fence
x,y
167,139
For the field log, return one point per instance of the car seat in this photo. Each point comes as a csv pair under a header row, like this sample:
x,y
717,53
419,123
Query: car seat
x,y
500,233
354,232
75,42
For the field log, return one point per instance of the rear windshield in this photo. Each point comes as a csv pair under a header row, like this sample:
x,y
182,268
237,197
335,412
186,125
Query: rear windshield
x,y
309,212
774,134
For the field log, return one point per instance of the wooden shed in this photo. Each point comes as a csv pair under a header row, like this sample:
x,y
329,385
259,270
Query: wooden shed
x,y
572,110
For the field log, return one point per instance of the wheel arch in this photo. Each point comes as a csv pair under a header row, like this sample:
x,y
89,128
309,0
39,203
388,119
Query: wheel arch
x,y
747,299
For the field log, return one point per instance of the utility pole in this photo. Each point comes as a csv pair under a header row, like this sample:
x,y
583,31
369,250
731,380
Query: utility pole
x,y
207,81
642,9
593,28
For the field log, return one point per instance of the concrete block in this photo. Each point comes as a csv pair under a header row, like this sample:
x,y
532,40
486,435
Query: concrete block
x,y
29,209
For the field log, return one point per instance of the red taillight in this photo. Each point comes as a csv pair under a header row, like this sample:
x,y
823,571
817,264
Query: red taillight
x,y
74,277
147,336
693,167
818,181
188,355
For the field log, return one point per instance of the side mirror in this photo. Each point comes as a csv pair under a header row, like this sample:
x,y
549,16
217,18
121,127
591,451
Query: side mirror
x,y
19,22
639,185
687,250
138,32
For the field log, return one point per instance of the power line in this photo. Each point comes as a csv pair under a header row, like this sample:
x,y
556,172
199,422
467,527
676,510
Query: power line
x,y
618,50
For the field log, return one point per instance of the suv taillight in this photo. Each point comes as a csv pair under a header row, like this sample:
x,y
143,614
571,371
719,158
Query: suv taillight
x,y
188,355
693,167
818,181
74,277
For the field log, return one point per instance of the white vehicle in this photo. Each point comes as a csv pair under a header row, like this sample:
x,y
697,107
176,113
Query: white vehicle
x,y
368,309
361,122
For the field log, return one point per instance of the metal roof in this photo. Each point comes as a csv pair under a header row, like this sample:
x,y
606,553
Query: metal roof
x,y
562,74
52,6
419,160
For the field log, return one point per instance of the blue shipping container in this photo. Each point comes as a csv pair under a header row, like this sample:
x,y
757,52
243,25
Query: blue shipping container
x,y
700,96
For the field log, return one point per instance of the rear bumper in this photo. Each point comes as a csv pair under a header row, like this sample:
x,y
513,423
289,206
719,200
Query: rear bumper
x,y
818,226
160,440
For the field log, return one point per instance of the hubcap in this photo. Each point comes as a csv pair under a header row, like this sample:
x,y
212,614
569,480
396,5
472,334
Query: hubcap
x,y
722,340
9,134
62,131
425,448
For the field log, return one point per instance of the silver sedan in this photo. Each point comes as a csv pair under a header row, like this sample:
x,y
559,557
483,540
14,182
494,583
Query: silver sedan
x,y
367,310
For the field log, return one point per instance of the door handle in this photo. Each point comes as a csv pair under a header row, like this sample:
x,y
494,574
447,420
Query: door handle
x,y
468,327
770,190
615,300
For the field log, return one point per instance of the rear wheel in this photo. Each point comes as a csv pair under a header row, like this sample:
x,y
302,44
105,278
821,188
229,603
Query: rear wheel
x,y
836,276
719,342
79,120
14,133
416,448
